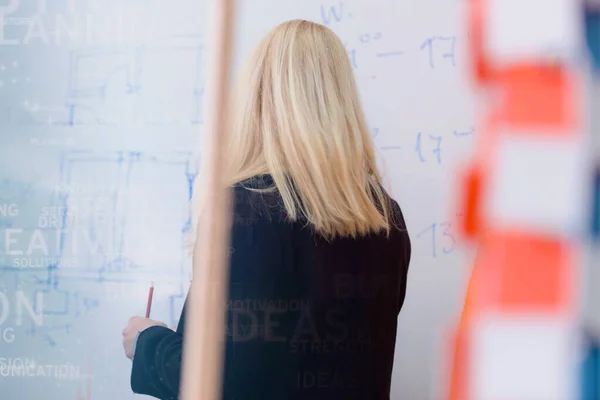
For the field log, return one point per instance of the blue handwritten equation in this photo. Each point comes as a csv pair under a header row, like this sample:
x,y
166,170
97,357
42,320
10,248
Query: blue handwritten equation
x,y
333,13
435,50
442,237
428,147
437,47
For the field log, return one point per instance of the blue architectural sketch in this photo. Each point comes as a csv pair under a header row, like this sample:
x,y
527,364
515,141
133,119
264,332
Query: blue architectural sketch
x,y
72,289
128,178
121,85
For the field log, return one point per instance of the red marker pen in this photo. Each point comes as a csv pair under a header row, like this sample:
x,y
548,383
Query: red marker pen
x,y
150,295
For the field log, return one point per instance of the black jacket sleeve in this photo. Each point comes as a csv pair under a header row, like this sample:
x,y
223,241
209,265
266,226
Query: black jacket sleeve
x,y
406,254
156,367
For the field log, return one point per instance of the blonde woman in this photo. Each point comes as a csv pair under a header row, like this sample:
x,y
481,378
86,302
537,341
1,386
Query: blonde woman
x,y
320,252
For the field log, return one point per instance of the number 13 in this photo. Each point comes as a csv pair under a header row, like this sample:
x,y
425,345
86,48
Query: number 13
x,y
446,233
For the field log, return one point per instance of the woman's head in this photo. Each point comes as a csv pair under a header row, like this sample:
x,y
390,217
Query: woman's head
x,y
297,115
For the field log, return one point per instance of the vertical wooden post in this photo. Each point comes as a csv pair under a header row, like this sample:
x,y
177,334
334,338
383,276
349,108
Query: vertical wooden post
x,y
205,314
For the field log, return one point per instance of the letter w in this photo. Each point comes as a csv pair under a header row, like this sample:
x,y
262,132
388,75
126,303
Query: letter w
x,y
333,13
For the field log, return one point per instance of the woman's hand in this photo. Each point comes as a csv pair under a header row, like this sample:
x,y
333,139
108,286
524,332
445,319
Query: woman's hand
x,y
135,325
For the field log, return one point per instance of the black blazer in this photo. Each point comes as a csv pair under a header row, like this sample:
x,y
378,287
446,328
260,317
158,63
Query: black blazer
x,y
306,318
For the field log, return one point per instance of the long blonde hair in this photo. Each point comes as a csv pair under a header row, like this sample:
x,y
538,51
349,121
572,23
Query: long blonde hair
x,y
296,115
